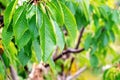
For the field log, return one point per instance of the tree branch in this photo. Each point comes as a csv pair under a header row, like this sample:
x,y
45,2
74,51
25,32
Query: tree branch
x,y
65,52
77,45
71,62
13,73
79,38
68,51
77,73
76,50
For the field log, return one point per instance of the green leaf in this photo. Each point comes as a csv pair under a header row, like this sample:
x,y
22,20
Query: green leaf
x,y
88,41
39,17
80,19
9,13
33,28
52,65
112,35
12,49
93,60
115,17
2,71
70,23
7,35
37,50
59,37
20,22
96,9
96,20
6,59
98,33
56,13
71,6
47,38
5,2
31,11
23,40
105,11
17,15
84,4
105,39
27,49
93,48
24,56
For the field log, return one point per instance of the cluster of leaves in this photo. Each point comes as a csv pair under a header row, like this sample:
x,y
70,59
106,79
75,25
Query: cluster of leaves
x,y
112,74
33,30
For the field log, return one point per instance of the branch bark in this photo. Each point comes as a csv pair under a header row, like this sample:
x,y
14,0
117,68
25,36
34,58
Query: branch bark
x,y
13,73
65,52
76,50
77,45
77,73
79,38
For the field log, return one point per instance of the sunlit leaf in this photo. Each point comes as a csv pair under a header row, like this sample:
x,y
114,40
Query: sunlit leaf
x,y
55,13
47,39
21,25
2,71
9,12
23,40
37,50
39,17
7,35
115,16
52,65
84,4
70,23
24,56
59,36
33,28
6,59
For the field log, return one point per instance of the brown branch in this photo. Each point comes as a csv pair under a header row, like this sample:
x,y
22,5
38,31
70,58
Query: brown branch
x,y
68,51
65,52
76,50
77,73
77,45
13,73
79,38
71,62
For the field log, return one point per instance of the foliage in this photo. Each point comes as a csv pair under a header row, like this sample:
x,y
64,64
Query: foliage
x,y
34,29
112,74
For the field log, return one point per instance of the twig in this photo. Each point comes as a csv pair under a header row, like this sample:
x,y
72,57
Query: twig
x,y
13,73
69,51
79,38
77,73
65,52
72,60
76,50
77,45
